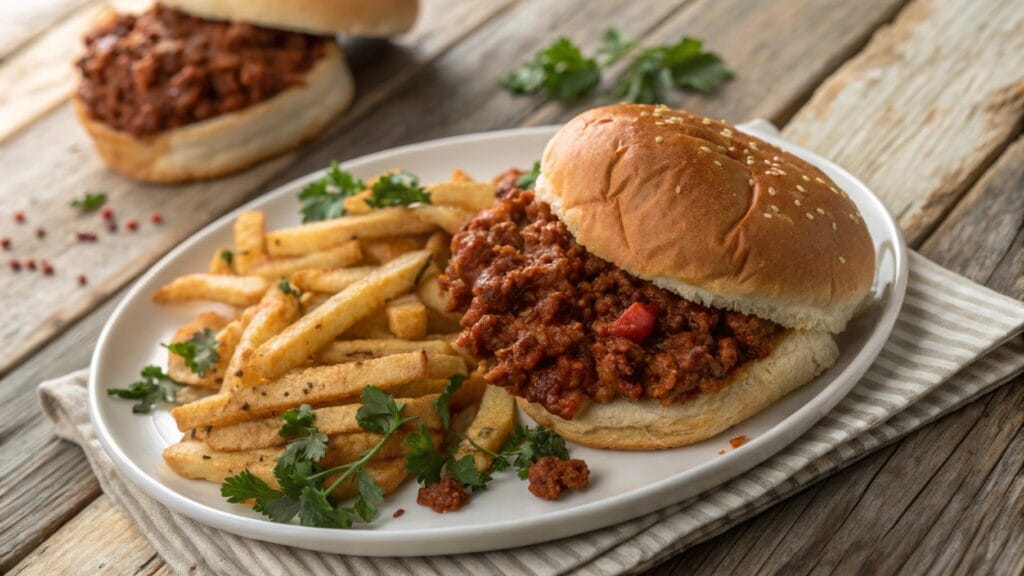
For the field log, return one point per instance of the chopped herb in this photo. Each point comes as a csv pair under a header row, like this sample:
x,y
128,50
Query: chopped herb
x,y
529,179
154,388
199,351
524,447
464,470
91,202
442,404
227,256
561,71
683,65
285,286
397,189
421,458
302,478
325,198
613,46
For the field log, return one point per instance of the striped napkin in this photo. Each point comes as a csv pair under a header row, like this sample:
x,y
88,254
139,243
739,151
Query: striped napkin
x,y
953,341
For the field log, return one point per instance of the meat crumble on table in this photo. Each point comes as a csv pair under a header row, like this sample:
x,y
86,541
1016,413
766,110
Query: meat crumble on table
x,y
563,325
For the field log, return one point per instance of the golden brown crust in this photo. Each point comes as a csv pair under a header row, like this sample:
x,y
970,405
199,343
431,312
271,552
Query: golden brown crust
x,y
623,424
710,213
356,17
233,141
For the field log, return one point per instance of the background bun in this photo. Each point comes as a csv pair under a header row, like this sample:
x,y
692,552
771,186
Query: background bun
x,y
232,141
624,424
356,17
710,213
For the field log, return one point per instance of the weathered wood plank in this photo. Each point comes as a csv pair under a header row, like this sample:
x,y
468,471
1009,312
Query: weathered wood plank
x,y
102,539
53,159
780,51
937,88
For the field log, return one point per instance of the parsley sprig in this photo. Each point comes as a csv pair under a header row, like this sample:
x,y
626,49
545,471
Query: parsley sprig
x,y
303,492
529,179
562,71
524,447
397,189
154,388
91,202
199,351
325,198
227,256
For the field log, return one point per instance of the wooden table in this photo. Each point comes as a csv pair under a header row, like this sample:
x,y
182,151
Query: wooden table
x,y
922,99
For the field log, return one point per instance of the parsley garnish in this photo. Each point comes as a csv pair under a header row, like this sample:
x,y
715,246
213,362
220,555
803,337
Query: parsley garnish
x,y
429,464
397,189
324,199
285,286
442,404
561,71
683,65
529,179
613,46
199,351
91,202
154,388
302,478
227,256
524,447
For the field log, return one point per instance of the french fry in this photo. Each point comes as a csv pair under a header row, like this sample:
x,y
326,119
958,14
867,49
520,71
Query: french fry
x,y
192,459
308,301
357,204
303,339
345,448
219,264
491,426
459,175
332,420
340,256
470,392
274,313
443,366
380,223
329,281
176,367
374,327
470,196
352,350
192,393
407,317
250,240
439,245
448,218
233,290
435,299
316,386
383,250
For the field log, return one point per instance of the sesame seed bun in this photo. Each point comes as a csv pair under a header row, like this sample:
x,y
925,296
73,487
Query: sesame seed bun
x,y
327,17
623,424
233,141
710,213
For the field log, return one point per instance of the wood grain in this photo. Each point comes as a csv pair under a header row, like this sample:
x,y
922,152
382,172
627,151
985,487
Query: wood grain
x,y
38,306
115,546
937,88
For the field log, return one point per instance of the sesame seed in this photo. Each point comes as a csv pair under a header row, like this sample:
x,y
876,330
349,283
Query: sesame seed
x,y
852,218
842,260
679,189
659,139
705,122
753,145
750,161
732,148
781,172
659,123
804,176
833,188
767,162
797,202
721,148
809,215
819,180
750,182
776,158
834,227
774,208
767,215
643,114
819,211
800,188
717,163
771,191
705,149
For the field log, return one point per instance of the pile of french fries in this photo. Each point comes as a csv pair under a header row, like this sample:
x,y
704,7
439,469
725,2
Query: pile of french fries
x,y
361,306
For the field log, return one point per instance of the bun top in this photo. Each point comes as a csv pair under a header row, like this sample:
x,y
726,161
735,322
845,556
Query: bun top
x,y
715,215
325,17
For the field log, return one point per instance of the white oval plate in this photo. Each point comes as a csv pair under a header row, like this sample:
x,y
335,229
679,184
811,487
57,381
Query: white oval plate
x,y
624,484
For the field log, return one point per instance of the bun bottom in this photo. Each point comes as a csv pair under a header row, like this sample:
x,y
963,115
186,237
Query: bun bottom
x,y
798,357
233,141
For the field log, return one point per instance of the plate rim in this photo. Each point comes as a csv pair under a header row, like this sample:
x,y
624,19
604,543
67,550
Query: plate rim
x,y
585,517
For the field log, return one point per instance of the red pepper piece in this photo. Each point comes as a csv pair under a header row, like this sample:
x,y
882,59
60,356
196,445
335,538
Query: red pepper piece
x,y
636,323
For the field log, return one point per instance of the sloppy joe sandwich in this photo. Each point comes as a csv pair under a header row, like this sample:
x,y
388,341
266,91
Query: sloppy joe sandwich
x,y
668,277
190,90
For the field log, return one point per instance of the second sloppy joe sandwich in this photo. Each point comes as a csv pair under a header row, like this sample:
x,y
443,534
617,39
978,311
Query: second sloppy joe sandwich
x,y
195,89
668,277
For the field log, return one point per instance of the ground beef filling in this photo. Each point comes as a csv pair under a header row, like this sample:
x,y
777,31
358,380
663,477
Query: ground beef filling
x,y
163,69
541,306
550,475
